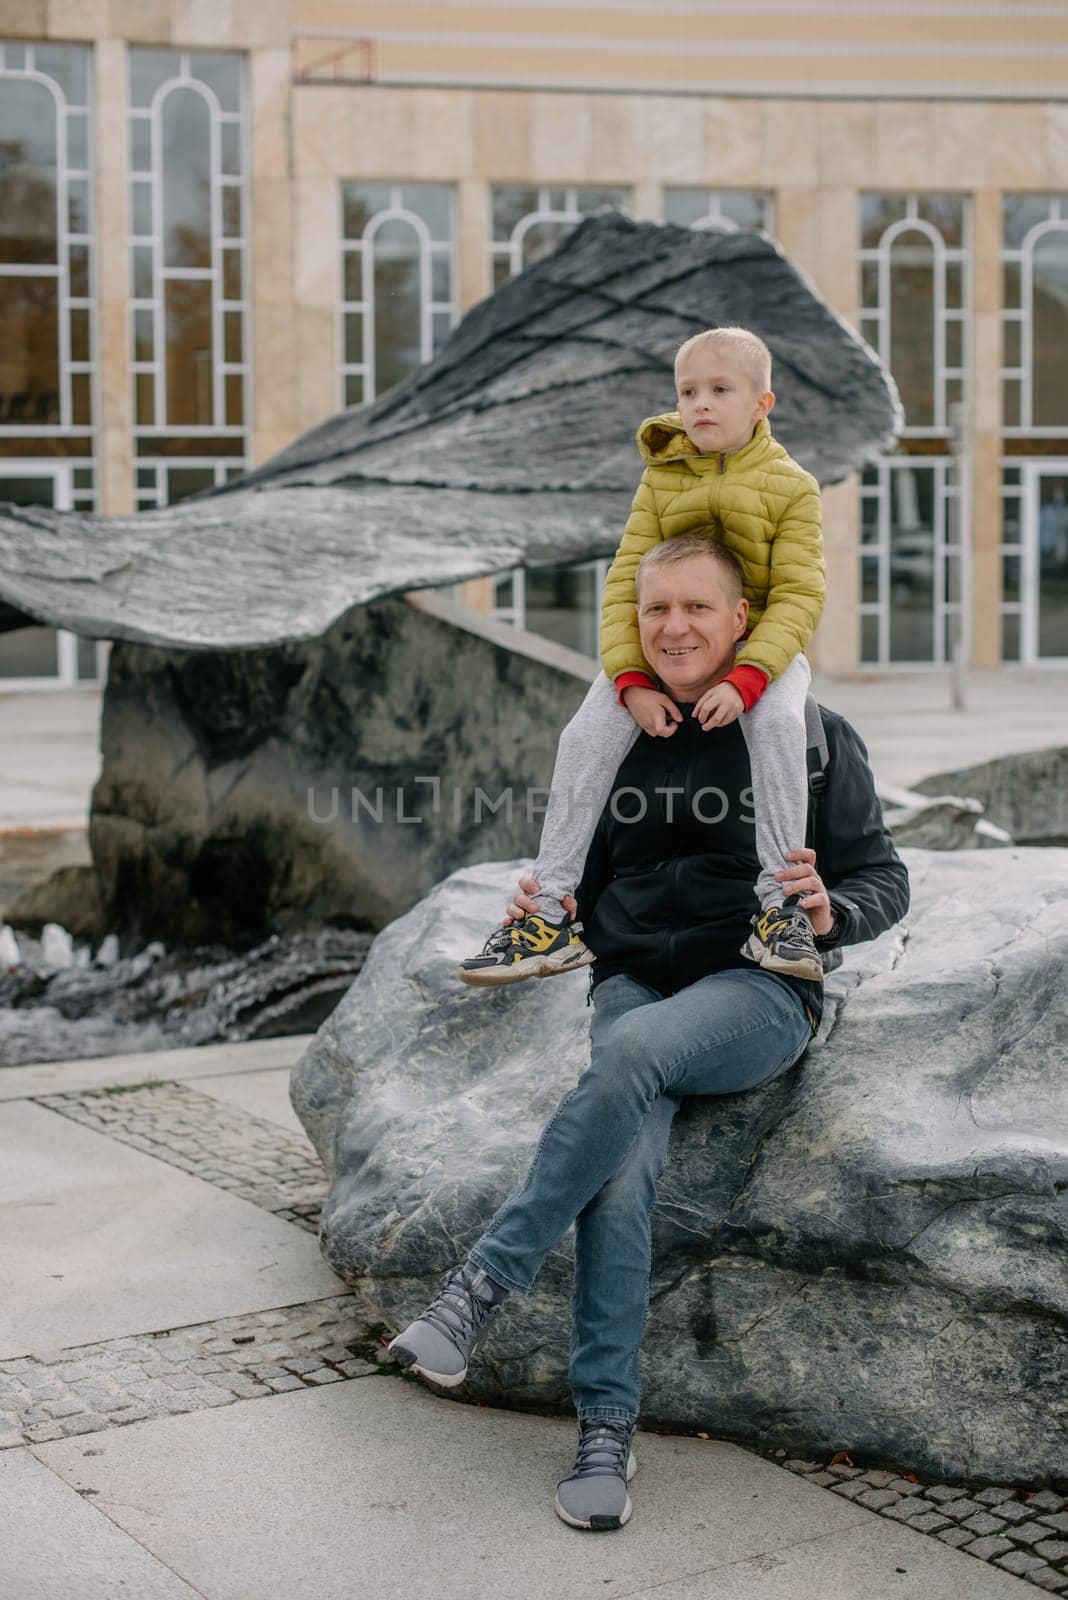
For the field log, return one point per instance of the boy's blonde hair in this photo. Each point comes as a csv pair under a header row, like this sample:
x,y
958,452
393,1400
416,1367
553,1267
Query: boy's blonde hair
x,y
746,347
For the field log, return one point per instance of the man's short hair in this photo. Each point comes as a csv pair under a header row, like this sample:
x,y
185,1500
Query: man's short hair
x,y
745,346
687,547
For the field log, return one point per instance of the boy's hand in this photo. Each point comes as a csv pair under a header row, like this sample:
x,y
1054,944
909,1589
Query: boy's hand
x,y
719,706
522,904
654,712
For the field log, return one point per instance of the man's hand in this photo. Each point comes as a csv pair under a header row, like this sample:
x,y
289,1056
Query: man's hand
x,y
719,706
523,905
654,712
803,879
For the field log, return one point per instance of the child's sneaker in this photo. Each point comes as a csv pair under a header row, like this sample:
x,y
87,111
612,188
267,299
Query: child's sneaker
x,y
533,948
782,940
594,1494
439,1344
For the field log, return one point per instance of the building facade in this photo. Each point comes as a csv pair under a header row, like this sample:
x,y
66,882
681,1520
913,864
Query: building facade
x,y
220,224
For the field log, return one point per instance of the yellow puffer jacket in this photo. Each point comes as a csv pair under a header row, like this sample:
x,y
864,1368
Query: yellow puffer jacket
x,y
759,503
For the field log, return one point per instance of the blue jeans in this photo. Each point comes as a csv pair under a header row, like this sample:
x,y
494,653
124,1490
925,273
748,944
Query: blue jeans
x,y
605,1145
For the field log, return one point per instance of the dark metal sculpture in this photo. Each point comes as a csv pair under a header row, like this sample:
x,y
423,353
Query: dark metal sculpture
x,y
513,447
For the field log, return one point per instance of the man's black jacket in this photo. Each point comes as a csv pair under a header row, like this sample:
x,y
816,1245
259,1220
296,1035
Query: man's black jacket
x,y
667,897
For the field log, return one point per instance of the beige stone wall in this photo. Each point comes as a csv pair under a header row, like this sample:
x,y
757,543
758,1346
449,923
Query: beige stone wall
x,y
815,155
933,47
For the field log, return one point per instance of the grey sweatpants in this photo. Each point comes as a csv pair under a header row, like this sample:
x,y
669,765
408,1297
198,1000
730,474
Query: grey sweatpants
x,y
600,734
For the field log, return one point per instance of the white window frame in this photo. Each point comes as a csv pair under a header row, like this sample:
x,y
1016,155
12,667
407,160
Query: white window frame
x,y
952,469
943,608
516,613
65,239
1022,315
569,215
1026,551
714,220
185,78
944,255
152,496
430,249
65,498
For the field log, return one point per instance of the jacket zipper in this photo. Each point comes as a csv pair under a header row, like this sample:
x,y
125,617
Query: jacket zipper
x,y
669,955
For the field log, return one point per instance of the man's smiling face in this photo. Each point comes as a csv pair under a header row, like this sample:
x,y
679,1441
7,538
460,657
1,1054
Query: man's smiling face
x,y
690,616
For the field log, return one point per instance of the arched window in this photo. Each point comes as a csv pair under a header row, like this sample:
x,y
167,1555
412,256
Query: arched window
x,y
529,223
188,270
47,333
1034,601
1035,260
914,264
398,301
720,210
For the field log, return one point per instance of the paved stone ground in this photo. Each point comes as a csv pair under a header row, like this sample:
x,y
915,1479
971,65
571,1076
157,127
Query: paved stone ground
x,y
54,1394
1026,1533
248,1156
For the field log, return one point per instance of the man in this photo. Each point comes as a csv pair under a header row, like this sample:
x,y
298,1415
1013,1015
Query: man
x,y
667,900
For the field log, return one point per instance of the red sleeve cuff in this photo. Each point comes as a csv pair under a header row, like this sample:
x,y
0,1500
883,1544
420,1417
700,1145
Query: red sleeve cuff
x,y
627,680
750,683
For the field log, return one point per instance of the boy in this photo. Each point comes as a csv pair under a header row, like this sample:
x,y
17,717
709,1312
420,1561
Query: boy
x,y
713,468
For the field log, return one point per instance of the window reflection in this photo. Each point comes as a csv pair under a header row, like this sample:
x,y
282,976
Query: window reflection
x,y
1049,329
187,303
28,220
397,274
189,314
912,325
528,223
186,128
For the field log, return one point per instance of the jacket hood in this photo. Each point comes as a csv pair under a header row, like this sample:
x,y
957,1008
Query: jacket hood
x,y
664,438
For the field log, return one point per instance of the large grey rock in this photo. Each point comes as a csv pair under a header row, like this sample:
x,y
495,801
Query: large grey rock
x,y
869,1254
1026,794
514,446
247,793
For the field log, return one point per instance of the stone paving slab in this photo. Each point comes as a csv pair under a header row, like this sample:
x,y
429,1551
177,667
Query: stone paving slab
x,y
57,1546
261,1094
184,1066
247,1156
57,735
93,1389
101,1240
867,1564
382,1489
85,1389
908,722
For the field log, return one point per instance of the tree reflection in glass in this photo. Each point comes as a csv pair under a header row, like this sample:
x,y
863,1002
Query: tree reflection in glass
x,y
29,303
912,325
1049,329
397,253
185,120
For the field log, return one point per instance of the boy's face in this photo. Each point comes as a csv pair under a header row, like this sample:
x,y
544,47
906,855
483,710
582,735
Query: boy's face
x,y
719,402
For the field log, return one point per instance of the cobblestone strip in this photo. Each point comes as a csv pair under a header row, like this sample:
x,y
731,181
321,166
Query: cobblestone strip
x,y
248,1156
1025,1533
55,1394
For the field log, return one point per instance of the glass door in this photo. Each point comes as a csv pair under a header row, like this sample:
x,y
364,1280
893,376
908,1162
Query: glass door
x,y
39,657
1045,634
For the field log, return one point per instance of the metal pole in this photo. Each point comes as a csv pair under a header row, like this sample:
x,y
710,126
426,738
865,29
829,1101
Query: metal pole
x,y
960,466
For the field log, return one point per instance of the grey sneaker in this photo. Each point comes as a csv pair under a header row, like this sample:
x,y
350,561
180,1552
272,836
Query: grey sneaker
x,y
782,940
594,1493
439,1344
